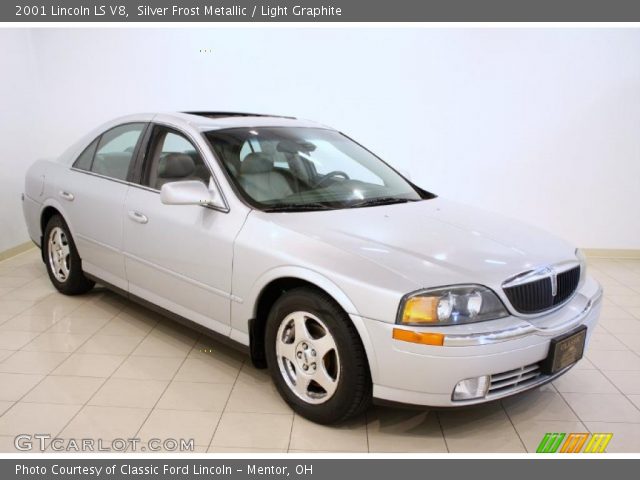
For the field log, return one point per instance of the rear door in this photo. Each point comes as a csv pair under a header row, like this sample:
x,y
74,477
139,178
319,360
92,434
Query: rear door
x,y
93,195
179,256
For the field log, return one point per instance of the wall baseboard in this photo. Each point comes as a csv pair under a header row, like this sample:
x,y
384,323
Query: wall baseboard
x,y
611,253
18,249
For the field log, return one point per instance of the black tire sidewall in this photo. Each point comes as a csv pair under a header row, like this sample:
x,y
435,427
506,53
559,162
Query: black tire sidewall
x,y
76,283
354,380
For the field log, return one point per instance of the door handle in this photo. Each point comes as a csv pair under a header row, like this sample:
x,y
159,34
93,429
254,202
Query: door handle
x,y
138,217
66,195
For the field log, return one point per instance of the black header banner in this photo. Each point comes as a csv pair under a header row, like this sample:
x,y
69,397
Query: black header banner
x,y
131,11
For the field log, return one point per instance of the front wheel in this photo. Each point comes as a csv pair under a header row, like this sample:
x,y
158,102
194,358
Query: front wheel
x,y
316,357
61,257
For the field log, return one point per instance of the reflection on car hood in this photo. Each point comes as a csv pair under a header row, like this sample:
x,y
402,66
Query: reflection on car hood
x,y
433,241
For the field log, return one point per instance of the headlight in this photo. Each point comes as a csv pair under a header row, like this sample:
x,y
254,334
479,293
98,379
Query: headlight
x,y
450,306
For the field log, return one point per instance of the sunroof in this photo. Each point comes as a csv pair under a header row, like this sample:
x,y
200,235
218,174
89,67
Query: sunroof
x,y
233,114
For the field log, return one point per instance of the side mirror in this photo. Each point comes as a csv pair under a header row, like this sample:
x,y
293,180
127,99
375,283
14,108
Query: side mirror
x,y
191,192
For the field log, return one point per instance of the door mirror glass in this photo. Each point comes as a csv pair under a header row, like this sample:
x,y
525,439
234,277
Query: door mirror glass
x,y
191,192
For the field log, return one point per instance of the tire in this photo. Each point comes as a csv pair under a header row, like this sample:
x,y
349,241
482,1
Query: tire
x,y
64,265
316,358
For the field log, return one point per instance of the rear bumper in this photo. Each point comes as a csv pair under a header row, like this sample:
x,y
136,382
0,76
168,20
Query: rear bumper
x,y
509,350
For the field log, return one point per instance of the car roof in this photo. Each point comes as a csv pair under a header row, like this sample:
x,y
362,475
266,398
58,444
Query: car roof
x,y
214,120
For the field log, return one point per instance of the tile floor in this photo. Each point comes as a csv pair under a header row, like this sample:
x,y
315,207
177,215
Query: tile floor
x,y
100,366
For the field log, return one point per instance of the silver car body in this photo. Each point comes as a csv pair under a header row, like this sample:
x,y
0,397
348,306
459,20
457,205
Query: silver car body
x,y
211,265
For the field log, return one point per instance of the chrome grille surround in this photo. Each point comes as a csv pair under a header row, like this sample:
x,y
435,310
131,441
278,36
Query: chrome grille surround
x,y
544,289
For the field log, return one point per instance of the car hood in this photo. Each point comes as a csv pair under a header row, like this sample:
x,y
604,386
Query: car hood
x,y
433,242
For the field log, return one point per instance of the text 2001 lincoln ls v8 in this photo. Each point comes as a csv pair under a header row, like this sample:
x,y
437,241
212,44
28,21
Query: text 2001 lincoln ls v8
x,y
342,277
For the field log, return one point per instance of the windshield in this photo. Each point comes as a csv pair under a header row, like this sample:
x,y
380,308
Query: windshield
x,y
285,168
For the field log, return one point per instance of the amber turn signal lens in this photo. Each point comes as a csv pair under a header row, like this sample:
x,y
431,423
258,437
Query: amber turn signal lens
x,y
436,339
421,310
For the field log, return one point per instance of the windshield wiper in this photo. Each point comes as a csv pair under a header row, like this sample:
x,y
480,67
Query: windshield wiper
x,y
293,207
380,201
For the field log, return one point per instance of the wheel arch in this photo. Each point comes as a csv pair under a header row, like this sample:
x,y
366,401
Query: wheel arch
x,y
275,285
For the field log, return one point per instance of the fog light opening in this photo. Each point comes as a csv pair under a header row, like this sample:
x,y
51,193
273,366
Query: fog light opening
x,y
472,388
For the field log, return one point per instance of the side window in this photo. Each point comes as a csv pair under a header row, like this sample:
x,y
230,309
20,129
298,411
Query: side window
x,y
86,157
171,157
115,150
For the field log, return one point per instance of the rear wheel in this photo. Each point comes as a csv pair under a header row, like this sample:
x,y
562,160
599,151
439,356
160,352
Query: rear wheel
x,y
62,260
316,357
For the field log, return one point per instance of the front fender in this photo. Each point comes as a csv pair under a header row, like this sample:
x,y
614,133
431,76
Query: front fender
x,y
244,308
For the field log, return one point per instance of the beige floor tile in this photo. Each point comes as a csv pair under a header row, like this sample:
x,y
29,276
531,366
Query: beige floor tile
x,y
10,340
632,341
95,309
79,325
15,385
635,399
621,325
163,344
14,307
627,382
4,354
614,312
253,430
213,449
65,390
532,432
584,364
397,430
28,323
110,344
175,424
605,341
252,397
4,406
629,300
635,311
32,293
483,428
106,423
626,436
195,396
213,369
538,405
602,407
126,324
615,360
7,445
31,418
56,342
123,392
584,381
32,362
350,436
88,365
149,368
56,306
7,281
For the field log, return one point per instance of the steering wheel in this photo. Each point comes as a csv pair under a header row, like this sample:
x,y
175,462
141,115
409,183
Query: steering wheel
x,y
329,176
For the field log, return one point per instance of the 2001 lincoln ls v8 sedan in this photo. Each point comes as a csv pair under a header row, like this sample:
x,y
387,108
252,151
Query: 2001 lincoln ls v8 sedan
x,y
334,271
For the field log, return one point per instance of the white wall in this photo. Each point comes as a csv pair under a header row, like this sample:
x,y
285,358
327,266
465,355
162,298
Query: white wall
x,y
540,124
18,97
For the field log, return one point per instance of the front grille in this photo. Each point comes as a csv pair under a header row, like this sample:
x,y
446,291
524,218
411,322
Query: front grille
x,y
537,296
502,383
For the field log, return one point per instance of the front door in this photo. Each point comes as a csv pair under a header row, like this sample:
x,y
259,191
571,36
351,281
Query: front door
x,y
178,256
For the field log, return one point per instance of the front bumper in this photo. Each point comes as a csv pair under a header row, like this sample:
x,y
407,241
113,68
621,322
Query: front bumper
x,y
509,350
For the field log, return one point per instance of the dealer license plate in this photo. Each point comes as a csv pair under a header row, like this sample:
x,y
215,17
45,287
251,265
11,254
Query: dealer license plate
x,y
565,350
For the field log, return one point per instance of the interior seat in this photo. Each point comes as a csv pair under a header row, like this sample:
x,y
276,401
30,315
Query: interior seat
x,y
174,167
260,180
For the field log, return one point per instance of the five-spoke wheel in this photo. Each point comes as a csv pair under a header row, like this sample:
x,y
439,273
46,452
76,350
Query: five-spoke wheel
x,y
308,357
